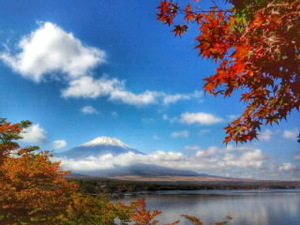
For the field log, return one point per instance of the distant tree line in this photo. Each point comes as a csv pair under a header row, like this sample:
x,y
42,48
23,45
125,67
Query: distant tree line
x,y
114,187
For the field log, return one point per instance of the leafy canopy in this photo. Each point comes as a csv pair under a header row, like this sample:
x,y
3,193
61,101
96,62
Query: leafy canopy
x,y
32,187
256,45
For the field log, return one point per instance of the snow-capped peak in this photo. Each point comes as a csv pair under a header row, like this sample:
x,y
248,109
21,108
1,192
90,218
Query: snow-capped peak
x,y
106,141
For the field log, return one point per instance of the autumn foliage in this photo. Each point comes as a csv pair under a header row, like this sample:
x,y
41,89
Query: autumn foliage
x,y
143,216
257,47
32,187
90,210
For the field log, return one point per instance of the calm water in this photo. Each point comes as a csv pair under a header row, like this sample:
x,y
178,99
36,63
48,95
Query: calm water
x,y
268,207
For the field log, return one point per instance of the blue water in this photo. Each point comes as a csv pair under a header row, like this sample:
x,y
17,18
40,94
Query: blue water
x,y
261,207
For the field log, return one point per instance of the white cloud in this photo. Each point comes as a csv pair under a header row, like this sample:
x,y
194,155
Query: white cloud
x,y
181,134
235,148
60,144
116,91
109,161
49,50
88,87
88,110
287,167
121,94
146,98
91,163
210,152
266,135
244,158
35,134
254,158
167,156
291,134
192,148
200,118
171,99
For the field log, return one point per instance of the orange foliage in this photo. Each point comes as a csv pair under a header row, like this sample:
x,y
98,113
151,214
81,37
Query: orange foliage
x,y
142,216
258,52
94,210
32,187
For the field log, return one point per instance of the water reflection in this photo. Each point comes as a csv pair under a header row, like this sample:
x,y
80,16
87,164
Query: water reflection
x,y
247,208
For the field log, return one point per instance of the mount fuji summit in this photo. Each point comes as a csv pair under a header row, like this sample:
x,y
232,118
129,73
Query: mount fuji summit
x,y
98,147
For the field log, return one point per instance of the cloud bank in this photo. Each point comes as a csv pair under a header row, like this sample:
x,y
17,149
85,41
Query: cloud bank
x,y
232,161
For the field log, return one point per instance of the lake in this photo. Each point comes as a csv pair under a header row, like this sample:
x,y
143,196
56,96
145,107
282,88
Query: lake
x,y
257,207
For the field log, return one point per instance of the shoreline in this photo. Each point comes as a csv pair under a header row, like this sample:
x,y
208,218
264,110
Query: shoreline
x,y
115,187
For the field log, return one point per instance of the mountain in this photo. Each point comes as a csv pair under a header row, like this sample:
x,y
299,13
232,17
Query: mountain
x,y
98,147
107,145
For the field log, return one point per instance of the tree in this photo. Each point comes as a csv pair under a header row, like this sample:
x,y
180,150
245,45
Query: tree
x,y
90,210
143,216
33,189
256,44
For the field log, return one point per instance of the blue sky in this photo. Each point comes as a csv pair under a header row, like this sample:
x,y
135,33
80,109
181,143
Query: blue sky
x,y
84,69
